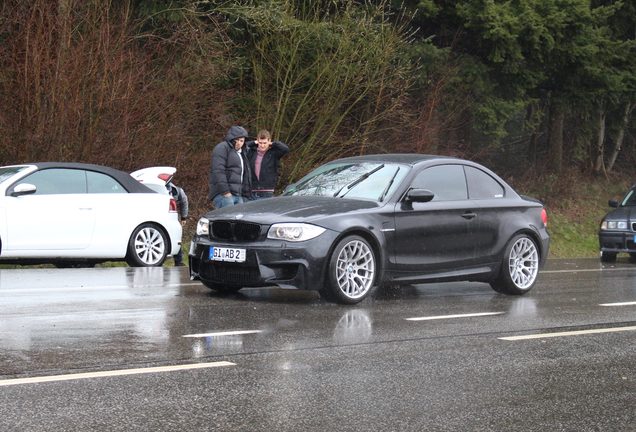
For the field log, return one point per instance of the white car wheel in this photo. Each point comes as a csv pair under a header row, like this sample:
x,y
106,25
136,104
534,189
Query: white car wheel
x,y
519,268
352,271
147,247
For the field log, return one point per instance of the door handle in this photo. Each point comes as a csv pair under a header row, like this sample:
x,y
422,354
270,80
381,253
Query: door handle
x,y
469,215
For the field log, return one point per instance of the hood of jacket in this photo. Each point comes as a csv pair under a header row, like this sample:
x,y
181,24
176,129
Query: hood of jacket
x,y
235,132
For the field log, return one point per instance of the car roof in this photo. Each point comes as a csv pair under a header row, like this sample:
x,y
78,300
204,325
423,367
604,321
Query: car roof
x,y
405,158
416,158
129,183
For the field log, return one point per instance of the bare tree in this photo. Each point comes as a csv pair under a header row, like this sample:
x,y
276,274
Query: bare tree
x,y
627,113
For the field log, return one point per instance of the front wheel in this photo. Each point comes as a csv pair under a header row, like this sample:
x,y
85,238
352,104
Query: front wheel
x,y
147,247
609,257
519,268
351,271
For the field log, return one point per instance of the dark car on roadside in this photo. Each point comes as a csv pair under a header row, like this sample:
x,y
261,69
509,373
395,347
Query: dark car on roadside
x,y
617,232
357,223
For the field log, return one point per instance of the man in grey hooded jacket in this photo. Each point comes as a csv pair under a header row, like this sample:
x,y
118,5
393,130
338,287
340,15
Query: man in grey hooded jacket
x,y
230,175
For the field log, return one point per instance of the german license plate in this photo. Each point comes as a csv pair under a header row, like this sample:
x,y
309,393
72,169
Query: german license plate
x,y
227,254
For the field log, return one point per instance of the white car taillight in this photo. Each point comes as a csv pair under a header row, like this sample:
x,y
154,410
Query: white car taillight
x,y
173,206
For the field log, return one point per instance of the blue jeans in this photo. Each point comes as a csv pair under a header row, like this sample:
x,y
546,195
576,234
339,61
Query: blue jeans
x,y
221,201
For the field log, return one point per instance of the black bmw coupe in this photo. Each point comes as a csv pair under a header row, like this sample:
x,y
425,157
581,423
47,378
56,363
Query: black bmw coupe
x,y
357,223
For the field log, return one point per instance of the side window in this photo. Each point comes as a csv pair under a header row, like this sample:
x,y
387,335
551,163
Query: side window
x,y
102,183
482,185
447,182
57,181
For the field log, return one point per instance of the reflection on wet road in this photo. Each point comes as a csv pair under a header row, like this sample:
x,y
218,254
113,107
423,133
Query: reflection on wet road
x,y
389,349
85,318
62,307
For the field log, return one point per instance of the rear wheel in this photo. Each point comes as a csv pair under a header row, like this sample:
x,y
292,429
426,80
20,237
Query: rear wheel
x,y
608,257
147,247
351,271
519,268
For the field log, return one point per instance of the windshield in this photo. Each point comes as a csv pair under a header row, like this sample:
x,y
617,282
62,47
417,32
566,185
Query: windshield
x,y
6,172
364,180
630,199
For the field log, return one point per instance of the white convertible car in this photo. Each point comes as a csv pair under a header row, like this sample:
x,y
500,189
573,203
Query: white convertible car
x,y
73,213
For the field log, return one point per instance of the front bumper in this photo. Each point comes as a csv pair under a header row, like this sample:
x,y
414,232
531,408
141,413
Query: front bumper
x,y
617,241
270,262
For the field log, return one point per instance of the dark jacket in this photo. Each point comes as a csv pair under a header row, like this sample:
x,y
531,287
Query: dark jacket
x,y
270,165
226,167
181,198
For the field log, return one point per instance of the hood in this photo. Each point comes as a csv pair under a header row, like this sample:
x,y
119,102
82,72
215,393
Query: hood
x,y
235,132
291,209
622,213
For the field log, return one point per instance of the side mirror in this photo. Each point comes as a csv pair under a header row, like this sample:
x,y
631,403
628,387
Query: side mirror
x,y
420,195
612,203
23,189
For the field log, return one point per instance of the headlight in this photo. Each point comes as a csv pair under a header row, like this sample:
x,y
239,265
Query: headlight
x,y
613,225
203,227
294,232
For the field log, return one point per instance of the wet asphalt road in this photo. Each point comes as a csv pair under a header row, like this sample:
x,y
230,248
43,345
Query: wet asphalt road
x,y
79,350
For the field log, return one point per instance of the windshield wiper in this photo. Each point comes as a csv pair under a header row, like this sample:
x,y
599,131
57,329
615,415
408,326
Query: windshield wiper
x,y
386,189
359,180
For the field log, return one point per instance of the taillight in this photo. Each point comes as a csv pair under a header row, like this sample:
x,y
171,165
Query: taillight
x,y
173,206
544,217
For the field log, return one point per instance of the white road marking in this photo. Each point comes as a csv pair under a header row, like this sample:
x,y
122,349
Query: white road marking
x,y
619,304
91,288
102,374
587,270
453,316
225,333
569,333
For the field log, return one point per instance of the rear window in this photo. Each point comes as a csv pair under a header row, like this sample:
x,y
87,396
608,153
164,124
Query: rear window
x,y
482,185
101,183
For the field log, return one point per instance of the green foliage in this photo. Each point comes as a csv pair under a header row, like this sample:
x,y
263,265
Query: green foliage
x,y
575,204
528,54
327,80
97,86
573,239
159,82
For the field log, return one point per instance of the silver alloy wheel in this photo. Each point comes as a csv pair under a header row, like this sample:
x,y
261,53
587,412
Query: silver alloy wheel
x,y
523,263
355,269
149,245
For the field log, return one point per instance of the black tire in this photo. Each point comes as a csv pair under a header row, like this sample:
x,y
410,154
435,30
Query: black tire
x,y
351,272
226,289
608,257
148,246
519,266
